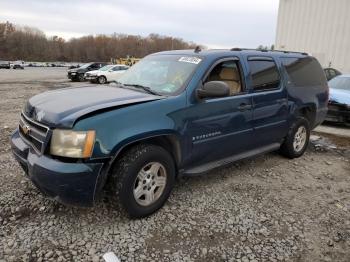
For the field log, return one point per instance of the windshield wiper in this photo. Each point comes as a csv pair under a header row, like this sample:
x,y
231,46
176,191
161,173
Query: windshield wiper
x,y
146,88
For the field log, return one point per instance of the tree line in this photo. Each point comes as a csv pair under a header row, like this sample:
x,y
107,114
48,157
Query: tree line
x,y
31,44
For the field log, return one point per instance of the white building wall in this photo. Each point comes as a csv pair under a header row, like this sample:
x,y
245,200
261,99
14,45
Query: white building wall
x,y
318,27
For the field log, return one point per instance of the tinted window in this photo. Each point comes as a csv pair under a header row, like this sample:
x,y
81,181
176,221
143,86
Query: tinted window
x,y
264,74
327,73
304,71
332,73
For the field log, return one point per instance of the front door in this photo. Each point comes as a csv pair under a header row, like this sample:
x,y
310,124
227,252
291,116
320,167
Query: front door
x,y
221,127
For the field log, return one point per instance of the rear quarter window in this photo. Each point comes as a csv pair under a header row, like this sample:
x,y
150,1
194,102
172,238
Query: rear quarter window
x,y
304,71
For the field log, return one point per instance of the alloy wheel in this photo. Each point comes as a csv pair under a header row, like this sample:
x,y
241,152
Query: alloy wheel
x,y
299,139
150,183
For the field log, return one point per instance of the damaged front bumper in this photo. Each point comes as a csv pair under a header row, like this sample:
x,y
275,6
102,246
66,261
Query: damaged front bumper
x,y
338,113
69,183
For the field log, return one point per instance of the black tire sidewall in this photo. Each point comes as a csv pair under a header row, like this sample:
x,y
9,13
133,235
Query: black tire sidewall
x,y
126,196
80,77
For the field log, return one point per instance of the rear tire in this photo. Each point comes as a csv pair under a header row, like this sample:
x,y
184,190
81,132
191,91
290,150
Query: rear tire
x,y
142,179
297,139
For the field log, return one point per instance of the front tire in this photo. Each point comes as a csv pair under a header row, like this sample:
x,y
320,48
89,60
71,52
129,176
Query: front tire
x,y
102,80
297,139
81,77
142,179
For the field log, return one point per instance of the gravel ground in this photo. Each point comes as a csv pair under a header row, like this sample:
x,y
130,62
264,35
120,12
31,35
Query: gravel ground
x,y
265,209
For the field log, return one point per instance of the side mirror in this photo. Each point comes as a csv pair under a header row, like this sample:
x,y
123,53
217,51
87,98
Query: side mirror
x,y
213,89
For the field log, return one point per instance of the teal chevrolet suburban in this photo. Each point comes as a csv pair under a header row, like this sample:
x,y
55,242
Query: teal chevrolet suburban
x,y
175,113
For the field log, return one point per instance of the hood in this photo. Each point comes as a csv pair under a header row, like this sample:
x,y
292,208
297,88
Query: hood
x,y
63,107
79,70
340,96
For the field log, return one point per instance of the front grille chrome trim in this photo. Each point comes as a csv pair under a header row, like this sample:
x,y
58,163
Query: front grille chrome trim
x,y
38,135
35,123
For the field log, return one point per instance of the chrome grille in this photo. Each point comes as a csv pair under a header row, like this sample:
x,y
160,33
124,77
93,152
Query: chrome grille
x,y
33,132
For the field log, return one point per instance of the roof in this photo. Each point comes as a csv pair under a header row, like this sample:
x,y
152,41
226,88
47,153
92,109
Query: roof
x,y
219,52
344,75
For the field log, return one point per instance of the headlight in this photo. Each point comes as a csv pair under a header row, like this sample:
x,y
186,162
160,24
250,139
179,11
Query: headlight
x,y
68,143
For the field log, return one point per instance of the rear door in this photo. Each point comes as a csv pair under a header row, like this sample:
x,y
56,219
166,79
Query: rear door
x,y
269,98
117,72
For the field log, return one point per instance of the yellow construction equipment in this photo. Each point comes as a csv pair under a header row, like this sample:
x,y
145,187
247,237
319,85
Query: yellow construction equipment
x,y
126,61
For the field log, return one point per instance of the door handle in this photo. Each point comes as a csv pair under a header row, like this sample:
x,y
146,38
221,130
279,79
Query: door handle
x,y
244,107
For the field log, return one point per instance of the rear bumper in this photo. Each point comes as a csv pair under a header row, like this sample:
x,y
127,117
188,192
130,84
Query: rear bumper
x,y
68,183
320,116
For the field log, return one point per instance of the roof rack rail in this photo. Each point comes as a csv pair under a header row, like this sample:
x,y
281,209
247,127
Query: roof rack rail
x,y
267,50
292,52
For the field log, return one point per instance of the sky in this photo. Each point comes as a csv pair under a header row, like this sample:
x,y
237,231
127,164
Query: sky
x,y
215,24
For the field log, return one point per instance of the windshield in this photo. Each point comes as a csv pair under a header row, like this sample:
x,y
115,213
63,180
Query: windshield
x,y
86,65
163,74
106,68
340,82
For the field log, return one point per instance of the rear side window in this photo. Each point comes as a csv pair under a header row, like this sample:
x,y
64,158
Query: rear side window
x,y
265,75
303,71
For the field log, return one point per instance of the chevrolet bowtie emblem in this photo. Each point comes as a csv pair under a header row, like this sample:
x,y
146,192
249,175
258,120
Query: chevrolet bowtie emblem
x,y
26,129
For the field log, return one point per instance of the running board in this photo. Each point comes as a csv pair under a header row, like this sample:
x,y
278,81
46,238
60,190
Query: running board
x,y
225,161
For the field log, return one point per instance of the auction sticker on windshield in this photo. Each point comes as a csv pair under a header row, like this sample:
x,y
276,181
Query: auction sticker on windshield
x,y
190,59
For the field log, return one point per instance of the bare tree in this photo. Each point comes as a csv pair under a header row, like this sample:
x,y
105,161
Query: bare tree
x,y
27,43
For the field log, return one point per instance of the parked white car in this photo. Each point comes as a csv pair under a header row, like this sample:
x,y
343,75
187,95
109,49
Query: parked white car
x,y
106,74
